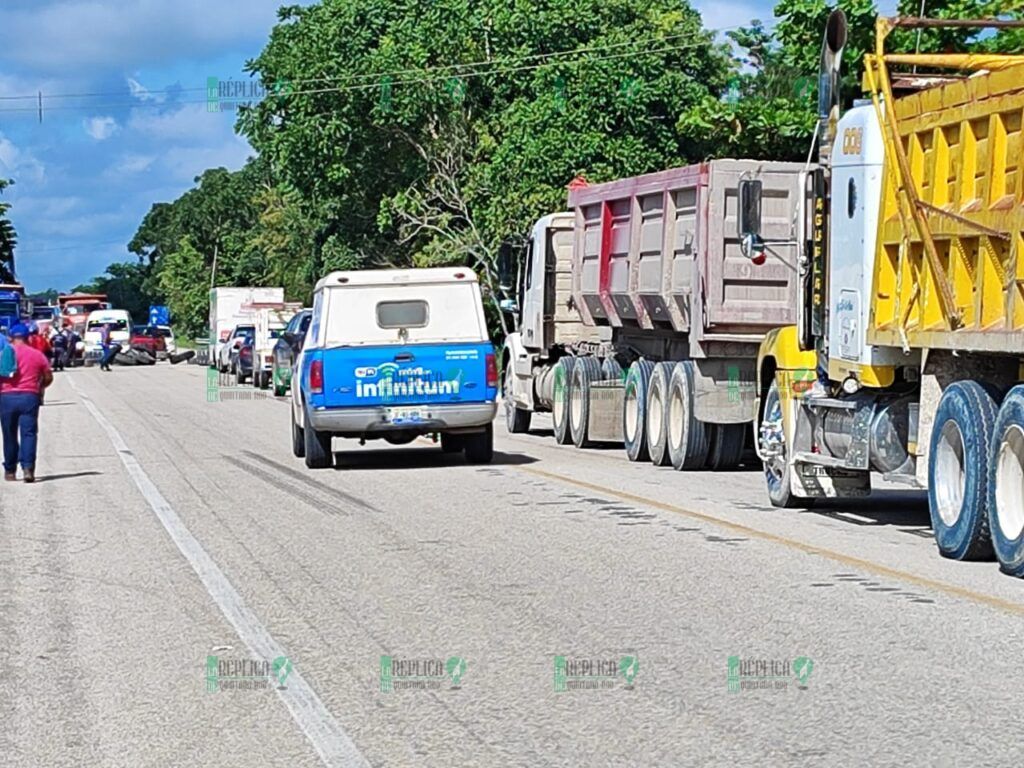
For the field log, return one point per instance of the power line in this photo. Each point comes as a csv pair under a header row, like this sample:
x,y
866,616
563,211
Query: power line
x,y
495,65
444,74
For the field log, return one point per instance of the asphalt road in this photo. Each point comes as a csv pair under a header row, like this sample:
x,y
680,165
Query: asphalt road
x,y
167,529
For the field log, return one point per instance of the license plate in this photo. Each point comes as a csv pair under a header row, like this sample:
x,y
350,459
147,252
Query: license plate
x,y
814,470
406,415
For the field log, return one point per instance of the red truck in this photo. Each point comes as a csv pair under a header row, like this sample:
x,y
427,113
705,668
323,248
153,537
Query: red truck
x,y
149,339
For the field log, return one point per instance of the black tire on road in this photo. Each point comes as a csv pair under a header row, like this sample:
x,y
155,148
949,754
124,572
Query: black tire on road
x,y
634,410
1006,484
517,420
726,444
687,436
452,443
479,446
958,471
586,371
656,410
562,387
298,440
318,448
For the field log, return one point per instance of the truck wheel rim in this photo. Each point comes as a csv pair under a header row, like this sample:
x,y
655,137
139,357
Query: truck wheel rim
x,y
676,416
949,473
654,418
1009,491
558,398
576,406
771,427
632,413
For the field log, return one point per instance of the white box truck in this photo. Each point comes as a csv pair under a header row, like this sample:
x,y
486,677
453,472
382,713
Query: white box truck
x,y
228,308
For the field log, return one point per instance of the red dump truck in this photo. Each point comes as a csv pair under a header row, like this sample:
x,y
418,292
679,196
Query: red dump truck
x,y
638,318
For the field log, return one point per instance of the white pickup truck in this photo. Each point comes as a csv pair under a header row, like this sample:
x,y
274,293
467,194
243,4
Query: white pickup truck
x,y
394,354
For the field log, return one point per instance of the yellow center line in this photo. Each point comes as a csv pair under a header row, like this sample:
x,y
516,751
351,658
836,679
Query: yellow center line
x,y
866,565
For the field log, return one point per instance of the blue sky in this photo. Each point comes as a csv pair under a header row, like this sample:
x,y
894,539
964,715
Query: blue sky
x,y
88,173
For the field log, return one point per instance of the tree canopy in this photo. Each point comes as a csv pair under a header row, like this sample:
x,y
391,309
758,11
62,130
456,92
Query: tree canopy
x,y
400,133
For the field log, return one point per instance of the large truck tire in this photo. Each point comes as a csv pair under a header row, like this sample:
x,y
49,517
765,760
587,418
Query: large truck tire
x,y
479,446
560,399
634,410
657,414
586,371
958,471
687,436
318,448
611,370
1006,484
726,444
777,468
517,420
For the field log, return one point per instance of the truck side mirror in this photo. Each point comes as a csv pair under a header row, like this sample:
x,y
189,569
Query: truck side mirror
x,y
505,266
748,220
509,306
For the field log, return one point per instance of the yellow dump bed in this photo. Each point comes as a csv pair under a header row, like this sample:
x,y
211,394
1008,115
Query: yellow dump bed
x,y
949,272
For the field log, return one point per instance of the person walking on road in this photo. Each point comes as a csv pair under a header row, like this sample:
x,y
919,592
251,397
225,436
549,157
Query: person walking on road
x,y
20,398
60,348
110,349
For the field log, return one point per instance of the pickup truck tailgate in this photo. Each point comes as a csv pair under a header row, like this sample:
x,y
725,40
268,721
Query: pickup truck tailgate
x,y
361,377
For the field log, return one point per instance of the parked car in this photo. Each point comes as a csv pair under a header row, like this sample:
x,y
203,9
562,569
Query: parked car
x,y
286,351
243,360
148,339
270,323
394,354
229,350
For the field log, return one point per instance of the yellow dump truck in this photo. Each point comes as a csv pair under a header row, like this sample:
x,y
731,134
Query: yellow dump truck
x,y
909,349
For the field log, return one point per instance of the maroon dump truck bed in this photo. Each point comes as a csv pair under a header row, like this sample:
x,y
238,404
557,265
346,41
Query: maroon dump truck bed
x,y
662,251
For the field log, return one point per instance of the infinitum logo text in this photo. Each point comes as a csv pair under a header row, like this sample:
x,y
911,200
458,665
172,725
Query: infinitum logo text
x,y
406,382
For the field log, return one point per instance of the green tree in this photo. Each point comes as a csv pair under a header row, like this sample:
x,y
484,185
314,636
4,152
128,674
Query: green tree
x,y
8,239
428,134
184,279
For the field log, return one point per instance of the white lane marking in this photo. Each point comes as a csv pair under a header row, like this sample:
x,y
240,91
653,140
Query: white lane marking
x,y
324,732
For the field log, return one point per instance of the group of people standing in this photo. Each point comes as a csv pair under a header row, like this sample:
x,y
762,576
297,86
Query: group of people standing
x,y
25,373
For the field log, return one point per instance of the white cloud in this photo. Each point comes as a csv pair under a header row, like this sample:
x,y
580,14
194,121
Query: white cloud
x,y
100,128
133,164
59,35
190,122
19,164
142,93
185,163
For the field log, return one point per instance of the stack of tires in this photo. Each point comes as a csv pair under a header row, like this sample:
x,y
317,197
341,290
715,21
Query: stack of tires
x,y
658,420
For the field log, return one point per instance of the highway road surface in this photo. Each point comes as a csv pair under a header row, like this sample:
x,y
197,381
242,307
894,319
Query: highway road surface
x,y
180,591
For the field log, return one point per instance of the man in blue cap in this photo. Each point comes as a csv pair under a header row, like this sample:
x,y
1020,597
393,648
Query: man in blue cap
x,y
20,398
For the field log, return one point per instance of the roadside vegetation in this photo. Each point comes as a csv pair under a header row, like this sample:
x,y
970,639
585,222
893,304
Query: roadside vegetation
x,y
411,134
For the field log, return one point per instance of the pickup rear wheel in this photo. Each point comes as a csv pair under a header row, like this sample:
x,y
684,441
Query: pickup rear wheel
x,y
452,443
318,448
298,440
479,446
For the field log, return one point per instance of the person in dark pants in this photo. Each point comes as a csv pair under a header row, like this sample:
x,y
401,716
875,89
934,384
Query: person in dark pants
x,y
60,349
20,398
